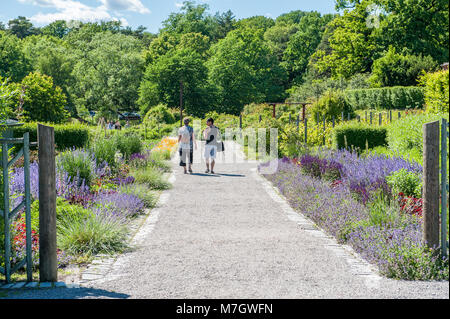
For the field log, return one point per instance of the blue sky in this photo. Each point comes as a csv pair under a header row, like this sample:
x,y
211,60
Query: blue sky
x,y
149,13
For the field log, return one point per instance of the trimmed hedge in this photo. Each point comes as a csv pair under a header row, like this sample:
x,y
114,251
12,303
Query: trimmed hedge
x,y
387,98
66,135
357,134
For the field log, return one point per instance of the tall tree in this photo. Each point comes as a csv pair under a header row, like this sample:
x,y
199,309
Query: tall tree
x,y
13,63
108,73
244,70
351,45
57,29
164,78
21,27
303,43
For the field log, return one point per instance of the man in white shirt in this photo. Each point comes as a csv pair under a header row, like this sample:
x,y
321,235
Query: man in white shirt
x,y
211,134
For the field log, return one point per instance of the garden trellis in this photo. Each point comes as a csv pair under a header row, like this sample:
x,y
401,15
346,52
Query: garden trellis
x,y
8,216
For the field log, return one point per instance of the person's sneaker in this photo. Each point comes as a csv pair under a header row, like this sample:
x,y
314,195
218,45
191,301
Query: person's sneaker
x,y
190,170
185,172
212,172
207,171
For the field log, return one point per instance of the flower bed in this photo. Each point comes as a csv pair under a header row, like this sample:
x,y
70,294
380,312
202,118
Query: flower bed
x,y
359,209
92,215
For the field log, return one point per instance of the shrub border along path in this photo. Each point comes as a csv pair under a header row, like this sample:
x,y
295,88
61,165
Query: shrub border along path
x,y
247,243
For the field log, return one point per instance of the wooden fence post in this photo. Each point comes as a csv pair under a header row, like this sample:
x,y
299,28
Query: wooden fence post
x,y
371,116
47,205
431,184
380,118
444,185
324,129
306,131
240,121
298,122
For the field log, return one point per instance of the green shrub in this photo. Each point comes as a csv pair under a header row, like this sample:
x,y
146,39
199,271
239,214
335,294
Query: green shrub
x,y
394,69
436,87
66,135
403,181
331,105
128,144
42,100
91,235
159,114
359,136
405,135
78,164
387,98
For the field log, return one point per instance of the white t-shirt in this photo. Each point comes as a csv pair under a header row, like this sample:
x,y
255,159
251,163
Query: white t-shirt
x,y
185,141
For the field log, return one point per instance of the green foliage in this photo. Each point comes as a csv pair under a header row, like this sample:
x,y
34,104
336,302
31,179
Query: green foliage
x,y
158,159
163,79
388,98
244,71
159,114
403,181
359,136
394,69
331,105
128,144
142,191
104,150
421,26
108,70
350,45
13,63
436,91
43,101
151,177
405,135
78,164
303,43
21,27
63,210
91,235
66,135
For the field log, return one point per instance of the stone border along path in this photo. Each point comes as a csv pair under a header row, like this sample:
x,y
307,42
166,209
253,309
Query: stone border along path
x,y
233,235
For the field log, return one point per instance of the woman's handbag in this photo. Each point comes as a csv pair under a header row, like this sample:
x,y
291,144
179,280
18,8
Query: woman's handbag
x,y
221,147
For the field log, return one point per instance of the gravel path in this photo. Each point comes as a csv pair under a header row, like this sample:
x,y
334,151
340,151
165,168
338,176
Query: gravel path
x,y
231,235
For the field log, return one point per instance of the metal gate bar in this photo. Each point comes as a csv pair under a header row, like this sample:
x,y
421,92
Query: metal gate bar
x,y
8,216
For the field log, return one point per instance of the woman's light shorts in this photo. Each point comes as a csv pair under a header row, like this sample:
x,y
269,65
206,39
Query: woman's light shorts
x,y
210,151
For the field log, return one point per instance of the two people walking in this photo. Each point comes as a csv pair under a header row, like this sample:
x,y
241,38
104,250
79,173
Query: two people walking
x,y
187,142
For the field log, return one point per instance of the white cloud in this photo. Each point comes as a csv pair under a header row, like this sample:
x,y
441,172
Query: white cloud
x,y
178,4
75,10
125,5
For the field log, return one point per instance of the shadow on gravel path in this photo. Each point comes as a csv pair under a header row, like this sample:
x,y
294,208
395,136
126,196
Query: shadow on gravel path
x,y
62,293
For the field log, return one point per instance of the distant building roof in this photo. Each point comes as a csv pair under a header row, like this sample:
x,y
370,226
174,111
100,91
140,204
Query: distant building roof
x,y
445,66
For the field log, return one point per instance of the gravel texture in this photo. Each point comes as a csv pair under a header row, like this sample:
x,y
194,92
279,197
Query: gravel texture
x,y
230,235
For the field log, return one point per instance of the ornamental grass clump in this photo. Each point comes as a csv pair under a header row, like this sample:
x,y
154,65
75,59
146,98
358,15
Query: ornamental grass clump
x,y
152,177
96,234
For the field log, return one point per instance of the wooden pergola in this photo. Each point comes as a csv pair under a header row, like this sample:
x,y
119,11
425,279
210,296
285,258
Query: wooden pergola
x,y
303,104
